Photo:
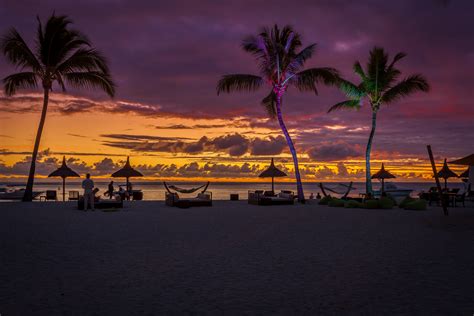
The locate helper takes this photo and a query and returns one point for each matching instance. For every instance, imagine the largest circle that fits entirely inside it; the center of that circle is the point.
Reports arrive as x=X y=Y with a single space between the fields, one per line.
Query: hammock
x=344 y=193
x=183 y=190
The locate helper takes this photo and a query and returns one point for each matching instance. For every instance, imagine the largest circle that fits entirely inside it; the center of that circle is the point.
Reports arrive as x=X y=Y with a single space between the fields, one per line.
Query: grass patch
x=325 y=200
x=336 y=203
x=416 y=205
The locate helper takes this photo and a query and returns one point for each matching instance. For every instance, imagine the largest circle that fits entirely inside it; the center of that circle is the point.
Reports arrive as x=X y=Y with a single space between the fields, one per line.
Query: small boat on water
x=394 y=191
x=12 y=193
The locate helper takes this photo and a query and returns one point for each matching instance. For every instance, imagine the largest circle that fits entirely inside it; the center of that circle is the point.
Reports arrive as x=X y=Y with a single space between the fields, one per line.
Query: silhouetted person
x=110 y=191
x=88 y=186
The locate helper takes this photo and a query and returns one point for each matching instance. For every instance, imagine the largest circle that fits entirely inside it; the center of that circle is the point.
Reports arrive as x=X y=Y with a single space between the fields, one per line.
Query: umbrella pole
x=64 y=189
x=446 y=184
x=273 y=185
x=383 y=188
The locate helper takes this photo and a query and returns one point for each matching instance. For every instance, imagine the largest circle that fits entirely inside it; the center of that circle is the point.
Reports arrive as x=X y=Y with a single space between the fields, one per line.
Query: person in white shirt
x=88 y=186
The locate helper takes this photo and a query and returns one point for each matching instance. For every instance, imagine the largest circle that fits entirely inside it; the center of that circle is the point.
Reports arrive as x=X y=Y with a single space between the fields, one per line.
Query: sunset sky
x=167 y=56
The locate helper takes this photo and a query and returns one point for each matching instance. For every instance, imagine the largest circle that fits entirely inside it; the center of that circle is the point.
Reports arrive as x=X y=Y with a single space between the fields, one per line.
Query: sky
x=167 y=56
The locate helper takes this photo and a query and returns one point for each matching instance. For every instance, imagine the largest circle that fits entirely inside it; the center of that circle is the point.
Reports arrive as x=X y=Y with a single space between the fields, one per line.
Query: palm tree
x=61 y=55
x=379 y=86
x=280 y=65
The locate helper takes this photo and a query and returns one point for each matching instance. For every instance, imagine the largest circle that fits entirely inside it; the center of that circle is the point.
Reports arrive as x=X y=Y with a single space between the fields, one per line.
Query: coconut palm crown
x=280 y=64
x=61 y=55
x=380 y=85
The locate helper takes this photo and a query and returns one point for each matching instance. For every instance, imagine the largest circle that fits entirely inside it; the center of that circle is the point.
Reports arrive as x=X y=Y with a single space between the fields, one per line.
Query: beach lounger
x=270 y=198
x=202 y=199
x=73 y=195
x=101 y=204
x=51 y=195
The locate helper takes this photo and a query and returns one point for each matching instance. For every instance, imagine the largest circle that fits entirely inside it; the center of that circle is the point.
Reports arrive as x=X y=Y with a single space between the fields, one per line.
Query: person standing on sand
x=110 y=191
x=88 y=186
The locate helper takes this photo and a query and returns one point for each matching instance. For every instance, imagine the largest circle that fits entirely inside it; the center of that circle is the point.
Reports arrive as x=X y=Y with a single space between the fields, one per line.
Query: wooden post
x=438 y=185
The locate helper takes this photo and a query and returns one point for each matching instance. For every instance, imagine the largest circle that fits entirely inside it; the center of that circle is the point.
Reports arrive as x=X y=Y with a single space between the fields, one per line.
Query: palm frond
x=19 y=81
x=84 y=59
x=91 y=79
x=269 y=104
x=353 y=104
x=239 y=82
x=411 y=84
x=298 y=61
x=351 y=90
x=397 y=58
x=17 y=51
x=306 y=80
x=359 y=70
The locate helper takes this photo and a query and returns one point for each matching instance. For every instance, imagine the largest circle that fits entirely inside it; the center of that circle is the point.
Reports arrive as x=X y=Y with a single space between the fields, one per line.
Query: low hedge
x=325 y=200
x=386 y=203
x=371 y=204
x=406 y=201
x=353 y=204
x=416 y=205
x=336 y=203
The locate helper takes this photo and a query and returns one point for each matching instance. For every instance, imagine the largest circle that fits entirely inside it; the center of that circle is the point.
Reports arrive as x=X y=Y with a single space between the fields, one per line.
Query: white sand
x=234 y=258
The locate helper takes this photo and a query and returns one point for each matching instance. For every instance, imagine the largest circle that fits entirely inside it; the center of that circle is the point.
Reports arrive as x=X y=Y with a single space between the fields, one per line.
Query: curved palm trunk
x=299 y=185
x=28 y=196
x=368 y=180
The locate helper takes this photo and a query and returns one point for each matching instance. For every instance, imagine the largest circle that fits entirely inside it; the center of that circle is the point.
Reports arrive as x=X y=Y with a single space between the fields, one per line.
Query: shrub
x=371 y=204
x=405 y=201
x=386 y=203
x=416 y=205
x=336 y=203
x=325 y=200
x=353 y=204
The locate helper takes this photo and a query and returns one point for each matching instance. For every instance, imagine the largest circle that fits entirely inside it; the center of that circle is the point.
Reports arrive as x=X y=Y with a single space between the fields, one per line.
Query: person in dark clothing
x=110 y=191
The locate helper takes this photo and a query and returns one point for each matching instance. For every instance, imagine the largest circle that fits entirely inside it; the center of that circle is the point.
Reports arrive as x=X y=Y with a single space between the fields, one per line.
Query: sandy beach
x=234 y=258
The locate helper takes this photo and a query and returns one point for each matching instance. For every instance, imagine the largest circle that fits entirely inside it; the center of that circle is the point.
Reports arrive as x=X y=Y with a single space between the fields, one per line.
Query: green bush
x=406 y=201
x=386 y=203
x=416 y=205
x=325 y=200
x=371 y=204
x=336 y=203
x=353 y=204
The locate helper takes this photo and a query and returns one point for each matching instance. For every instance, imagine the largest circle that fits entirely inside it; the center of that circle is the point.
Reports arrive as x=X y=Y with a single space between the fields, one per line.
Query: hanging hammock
x=343 y=193
x=183 y=190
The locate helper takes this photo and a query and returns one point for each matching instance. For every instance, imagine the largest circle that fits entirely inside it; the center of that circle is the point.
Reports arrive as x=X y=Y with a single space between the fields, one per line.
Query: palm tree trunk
x=28 y=196
x=299 y=185
x=368 y=180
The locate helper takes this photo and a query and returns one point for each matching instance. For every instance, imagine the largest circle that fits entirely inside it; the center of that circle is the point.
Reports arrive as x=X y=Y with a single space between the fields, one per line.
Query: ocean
x=222 y=190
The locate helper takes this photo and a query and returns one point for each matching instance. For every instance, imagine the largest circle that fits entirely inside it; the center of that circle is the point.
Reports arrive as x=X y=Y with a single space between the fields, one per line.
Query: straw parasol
x=446 y=173
x=127 y=172
x=272 y=172
x=466 y=161
x=465 y=174
x=64 y=171
x=382 y=174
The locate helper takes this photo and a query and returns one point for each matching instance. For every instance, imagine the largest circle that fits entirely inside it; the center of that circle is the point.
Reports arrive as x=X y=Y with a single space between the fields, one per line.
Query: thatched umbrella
x=383 y=174
x=127 y=172
x=64 y=172
x=446 y=173
x=272 y=172
x=465 y=174
x=466 y=161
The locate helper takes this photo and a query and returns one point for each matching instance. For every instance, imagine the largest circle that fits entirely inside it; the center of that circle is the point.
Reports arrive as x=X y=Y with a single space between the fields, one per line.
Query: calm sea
x=222 y=190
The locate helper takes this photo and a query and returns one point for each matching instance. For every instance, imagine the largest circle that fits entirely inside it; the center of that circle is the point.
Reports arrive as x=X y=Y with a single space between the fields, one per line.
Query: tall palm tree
x=280 y=65
x=61 y=55
x=379 y=86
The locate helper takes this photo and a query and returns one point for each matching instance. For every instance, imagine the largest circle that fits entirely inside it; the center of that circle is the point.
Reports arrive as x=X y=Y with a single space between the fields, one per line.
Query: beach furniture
x=101 y=203
x=73 y=195
x=127 y=172
x=64 y=172
x=51 y=195
x=343 y=189
x=260 y=197
x=204 y=198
